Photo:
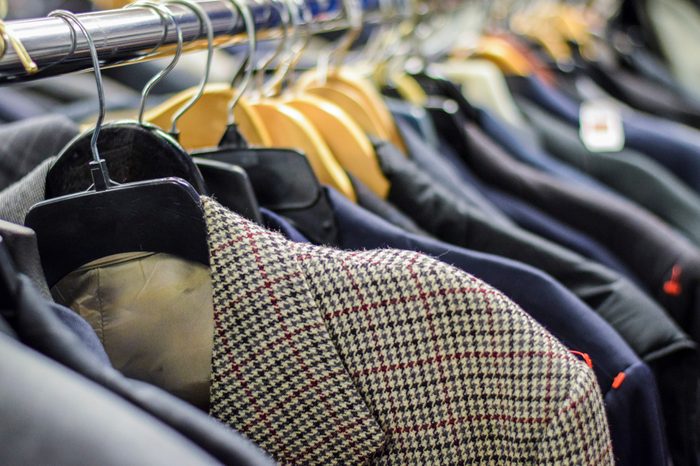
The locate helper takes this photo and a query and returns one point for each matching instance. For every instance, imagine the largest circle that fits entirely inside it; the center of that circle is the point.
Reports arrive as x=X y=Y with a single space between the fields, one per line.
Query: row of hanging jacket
x=402 y=232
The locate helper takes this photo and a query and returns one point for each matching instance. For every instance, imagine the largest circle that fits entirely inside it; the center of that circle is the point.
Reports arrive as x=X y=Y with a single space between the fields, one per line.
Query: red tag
x=673 y=285
x=617 y=381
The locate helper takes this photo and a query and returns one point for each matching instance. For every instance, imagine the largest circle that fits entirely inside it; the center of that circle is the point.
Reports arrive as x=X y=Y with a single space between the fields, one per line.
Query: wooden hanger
x=540 y=23
x=211 y=111
x=373 y=63
x=352 y=104
x=348 y=143
x=288 y=127
x=340 y=85
x=499 y=51
x=207 y=113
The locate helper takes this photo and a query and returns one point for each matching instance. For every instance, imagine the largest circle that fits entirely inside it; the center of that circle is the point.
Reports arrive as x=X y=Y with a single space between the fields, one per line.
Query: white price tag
x=601 y=127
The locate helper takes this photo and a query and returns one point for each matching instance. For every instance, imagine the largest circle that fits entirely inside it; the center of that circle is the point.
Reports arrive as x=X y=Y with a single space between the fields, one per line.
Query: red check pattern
x=387 y=357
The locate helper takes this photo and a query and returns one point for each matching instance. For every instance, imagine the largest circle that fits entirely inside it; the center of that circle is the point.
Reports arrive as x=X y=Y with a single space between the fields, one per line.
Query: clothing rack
x=137 y=34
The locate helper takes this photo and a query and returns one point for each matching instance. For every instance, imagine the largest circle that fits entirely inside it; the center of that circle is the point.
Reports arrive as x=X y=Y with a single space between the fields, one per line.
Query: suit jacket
x=51 y=415
x=446 y=168
x=323 y=356
x=644 y=94
x=574 y=324
x=637 y=435
x=37 y=327
x=672 y=145
x=632 y=174
x=658 y=255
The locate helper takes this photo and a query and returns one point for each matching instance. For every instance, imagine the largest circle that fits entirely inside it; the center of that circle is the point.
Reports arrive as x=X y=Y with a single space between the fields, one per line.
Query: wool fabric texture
x=386 y=357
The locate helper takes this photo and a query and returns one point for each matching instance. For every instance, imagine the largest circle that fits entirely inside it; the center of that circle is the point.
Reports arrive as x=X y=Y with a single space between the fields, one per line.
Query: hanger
x=390 y=68
x=136 y=151
x=490 y=45
x=539 y=21
x=207 y=122
x=231 y=186
x=481 y=80
x=288 y=127
x=502 y=53
x=282 y=179
x=285 y=183
x=351 y=91
x=164 y=215
x=349 y=144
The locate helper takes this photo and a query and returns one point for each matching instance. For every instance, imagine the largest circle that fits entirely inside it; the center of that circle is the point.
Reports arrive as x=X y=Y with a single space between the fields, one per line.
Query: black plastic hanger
x=282 y=179
x=448 y=109
x=231 y=187
x=163 y=215
x=438 y=86
x=135 y=151
x=284 y=182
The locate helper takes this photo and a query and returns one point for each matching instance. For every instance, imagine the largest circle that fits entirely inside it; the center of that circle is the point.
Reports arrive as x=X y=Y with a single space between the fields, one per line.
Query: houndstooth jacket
x=386 y=357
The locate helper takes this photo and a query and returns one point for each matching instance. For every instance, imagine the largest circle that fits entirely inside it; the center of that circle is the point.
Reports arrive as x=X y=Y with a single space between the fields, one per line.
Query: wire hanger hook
x=244 y=12
x=98 y=165
x=205 y=22
x=153 y=82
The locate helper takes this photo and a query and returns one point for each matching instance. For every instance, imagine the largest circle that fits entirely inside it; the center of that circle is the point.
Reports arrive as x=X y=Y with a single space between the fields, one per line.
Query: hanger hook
x=284 y=12
x=97 y=166
x=244 y=11
x=373 y=42
x=206 y=22
x=291 y=49
x=335 y=54
x=307 y=18
x=353 y=11
x=163 y=12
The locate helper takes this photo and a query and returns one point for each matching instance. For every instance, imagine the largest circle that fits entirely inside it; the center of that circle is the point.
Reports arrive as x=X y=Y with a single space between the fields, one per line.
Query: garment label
x=601 y=127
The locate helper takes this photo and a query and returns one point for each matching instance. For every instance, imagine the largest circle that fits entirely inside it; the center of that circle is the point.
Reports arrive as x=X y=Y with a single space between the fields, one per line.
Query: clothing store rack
x=137 y=34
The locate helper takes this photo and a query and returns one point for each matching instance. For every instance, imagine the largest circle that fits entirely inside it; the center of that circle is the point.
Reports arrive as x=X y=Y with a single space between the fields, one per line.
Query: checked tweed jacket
x=386 y=357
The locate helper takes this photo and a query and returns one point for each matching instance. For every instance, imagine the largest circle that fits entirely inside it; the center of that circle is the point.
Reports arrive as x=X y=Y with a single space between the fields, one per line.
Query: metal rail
x=135 y=34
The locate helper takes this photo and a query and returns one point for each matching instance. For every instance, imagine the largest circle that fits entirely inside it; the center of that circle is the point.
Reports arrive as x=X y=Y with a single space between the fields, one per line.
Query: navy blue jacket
x=526 y=153
x=672 y=145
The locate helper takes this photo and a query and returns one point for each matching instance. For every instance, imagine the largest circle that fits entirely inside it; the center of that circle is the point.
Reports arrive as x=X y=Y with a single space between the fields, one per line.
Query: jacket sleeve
x=578 y=432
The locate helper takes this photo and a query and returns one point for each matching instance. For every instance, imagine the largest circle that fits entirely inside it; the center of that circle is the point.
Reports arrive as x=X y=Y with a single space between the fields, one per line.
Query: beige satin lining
x=154 y=315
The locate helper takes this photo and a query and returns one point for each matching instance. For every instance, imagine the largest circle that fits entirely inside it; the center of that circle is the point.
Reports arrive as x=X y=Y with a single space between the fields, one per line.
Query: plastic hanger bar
x=135 y=34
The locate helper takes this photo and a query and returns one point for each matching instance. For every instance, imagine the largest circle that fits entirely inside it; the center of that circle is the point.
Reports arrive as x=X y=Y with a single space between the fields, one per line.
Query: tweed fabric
x=276 y=376
x=316 y=348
